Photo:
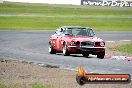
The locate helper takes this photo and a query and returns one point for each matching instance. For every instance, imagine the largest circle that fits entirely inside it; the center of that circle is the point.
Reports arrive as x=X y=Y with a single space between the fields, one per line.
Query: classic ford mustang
x=76 y=40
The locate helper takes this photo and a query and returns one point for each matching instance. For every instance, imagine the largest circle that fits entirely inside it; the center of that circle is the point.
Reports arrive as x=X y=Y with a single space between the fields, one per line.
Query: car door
x=59 y=39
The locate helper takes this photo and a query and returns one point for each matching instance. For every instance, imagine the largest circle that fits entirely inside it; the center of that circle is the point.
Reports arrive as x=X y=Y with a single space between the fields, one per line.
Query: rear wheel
x=51 y=50
x=101 y=56
x=65 y=50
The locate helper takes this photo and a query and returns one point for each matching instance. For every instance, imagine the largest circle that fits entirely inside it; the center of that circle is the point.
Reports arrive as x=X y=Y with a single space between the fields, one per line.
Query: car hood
x=84 y=38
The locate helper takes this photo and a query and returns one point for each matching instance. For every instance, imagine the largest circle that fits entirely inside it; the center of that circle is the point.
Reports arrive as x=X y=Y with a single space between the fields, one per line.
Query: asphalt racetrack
x=32 y=46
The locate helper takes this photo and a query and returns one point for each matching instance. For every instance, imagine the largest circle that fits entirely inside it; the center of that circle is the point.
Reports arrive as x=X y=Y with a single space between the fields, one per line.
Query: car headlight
x=72 y=43
x=102 y=44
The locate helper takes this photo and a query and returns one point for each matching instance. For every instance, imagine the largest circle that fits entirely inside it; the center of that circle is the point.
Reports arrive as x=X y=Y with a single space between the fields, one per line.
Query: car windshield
x=79 y=32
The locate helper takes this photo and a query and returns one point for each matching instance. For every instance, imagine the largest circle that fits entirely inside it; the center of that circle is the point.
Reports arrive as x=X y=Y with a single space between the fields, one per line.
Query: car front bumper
x=90 y=50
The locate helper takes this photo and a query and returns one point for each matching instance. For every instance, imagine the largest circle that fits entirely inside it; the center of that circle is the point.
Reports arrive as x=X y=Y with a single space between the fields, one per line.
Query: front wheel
x=65 y=51
x=85 y=54
x=101 y=56
x=51 y=50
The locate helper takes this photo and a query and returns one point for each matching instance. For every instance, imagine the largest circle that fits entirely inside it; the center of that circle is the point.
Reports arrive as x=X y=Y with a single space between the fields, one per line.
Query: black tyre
x=85 y=54
x=51 y=50
x=80 y=80
x=101 y=56
x=65 y=50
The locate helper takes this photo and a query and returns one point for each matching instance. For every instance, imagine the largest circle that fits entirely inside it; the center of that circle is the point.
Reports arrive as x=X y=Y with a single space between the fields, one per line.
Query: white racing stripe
x=109 y=41
x=116 y=69
x=111 y=56
x=71 y=69
x=126 y=40
x=119 y=40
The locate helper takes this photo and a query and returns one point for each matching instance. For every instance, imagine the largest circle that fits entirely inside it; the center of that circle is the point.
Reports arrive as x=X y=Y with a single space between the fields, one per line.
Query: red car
x=76 y=40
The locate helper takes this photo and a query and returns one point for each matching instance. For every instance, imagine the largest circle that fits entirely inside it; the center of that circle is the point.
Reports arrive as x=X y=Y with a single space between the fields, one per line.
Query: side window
x=67 y=32
x=90 y=32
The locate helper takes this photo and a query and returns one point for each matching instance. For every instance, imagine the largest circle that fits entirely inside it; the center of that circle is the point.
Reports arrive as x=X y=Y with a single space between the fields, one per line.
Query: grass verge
x=126 y=48
x=38 y=85
x=23 y=16
x=3 y=86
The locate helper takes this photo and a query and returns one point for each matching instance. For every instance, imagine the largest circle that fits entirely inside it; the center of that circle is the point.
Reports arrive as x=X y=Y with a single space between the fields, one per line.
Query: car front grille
x=87 y=43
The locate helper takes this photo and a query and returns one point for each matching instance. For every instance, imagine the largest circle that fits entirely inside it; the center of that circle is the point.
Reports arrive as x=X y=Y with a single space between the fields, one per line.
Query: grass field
x=23 y=16
x=35 y=85
x=127 y=48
